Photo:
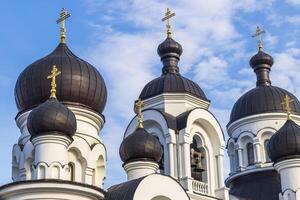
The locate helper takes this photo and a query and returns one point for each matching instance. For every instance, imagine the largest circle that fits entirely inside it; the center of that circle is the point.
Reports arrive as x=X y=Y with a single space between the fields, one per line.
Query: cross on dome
x=286 y=103
x=63 y=16
x=168 y=16
x=52 y=76
x=139 y=106
x=258 y=34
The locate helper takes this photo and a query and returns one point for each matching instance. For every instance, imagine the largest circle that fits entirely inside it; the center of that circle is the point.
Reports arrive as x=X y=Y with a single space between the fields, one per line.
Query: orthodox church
x=173 y=149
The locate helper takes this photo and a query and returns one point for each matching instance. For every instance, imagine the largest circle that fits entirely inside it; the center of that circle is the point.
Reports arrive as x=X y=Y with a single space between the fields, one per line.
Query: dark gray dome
x=171 y=81
x=262 y=99
x=79 y=84
x=140 y=145
x=49 y=117
x=285 y=143
x=265 y=98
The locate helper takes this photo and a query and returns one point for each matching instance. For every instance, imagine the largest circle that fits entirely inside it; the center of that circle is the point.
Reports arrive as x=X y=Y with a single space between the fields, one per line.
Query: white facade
x=199 y=123
x=289 y=171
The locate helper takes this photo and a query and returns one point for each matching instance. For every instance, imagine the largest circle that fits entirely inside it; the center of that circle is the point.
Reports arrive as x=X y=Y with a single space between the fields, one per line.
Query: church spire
x=52 y=76
x=261 y=62
x=63 y=16
x=286 y=103
x=168 y=16
x=258 y=34
x=139 y=106
x=169 y=50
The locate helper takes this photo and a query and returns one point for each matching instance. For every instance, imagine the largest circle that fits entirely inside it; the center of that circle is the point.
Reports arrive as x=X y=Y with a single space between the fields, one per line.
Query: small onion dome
x=140 y=145
x=171 y=81
x=270 y=100
x=51 y=116
x=80 y=84
x=285 y=143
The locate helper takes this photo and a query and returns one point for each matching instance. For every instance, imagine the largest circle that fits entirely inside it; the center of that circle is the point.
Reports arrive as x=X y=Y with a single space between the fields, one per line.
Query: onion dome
x=171 y=81
x=51 y=117
x=285 y=143
x=80 y=84
x=269 y=97
x=140 y=145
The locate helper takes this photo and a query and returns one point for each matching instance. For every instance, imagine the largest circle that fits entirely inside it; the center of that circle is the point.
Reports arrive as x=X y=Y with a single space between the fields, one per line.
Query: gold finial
x=139 y=106
x=52 y=76
x=63 y=16
x=168 y=16
x=258 y=34
x=286 y=102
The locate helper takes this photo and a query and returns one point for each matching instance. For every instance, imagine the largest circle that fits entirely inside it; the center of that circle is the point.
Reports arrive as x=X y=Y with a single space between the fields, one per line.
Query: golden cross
x=258 y=34
x=139 y=106
x=63 y=16
x=168 y=16
x=52 y=76
x=286 y=102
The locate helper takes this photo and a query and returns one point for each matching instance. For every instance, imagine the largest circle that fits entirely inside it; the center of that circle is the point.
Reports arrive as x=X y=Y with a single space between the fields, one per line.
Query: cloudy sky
x=120 y=38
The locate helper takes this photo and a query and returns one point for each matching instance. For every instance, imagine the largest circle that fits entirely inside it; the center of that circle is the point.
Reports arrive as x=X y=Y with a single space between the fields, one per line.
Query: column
x=186 y=159
x=220 y=167
x=257 y=150
x=171 y=159
x=240 y=156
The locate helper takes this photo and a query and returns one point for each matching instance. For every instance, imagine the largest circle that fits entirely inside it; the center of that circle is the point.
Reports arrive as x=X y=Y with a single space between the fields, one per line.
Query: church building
x=174 y=147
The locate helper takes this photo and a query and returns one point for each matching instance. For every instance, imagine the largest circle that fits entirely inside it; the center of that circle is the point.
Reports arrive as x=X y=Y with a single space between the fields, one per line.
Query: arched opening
x=41 y=172
x=198 y=160
x=250 y=154
x=72 y=171
x=99 y=172
x=267 y=158
x=79 y=164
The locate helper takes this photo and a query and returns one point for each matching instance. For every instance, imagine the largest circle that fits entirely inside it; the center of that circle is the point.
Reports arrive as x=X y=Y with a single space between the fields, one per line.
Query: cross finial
x=139 y=106
x=52 y=76
x=63 y=16
x=258 y=34
x=168 y=16
x=286 y=102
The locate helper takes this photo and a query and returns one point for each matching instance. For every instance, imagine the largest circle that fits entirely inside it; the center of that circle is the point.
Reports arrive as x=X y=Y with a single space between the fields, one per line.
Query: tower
x=254 y=118
x=176 y=112
x=59 y=152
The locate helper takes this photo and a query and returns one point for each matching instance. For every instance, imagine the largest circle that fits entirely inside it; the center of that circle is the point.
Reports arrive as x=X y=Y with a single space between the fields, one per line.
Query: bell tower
x=176 y=112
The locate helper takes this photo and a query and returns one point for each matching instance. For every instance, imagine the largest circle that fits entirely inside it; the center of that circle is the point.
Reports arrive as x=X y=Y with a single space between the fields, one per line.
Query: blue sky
x=120 y=38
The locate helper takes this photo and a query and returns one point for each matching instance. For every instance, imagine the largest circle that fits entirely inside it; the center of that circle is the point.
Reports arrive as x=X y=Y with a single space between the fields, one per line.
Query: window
x=198 y=160
x=72 y=171
x=250 y=154
x=266 y=150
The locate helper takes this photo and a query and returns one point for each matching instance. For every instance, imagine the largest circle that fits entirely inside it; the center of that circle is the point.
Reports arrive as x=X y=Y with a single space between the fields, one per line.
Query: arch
x=264 y=137
x=71 y=171
x=80 y=164
x=99 y=172
x=154 y=116
x=199 y=155
x=41 y=171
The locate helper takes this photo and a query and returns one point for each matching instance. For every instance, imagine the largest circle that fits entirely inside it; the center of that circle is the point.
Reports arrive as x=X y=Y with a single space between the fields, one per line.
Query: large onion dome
x=51 y=117
x=285 y=143
x=80 y=83
x=265 y=98
x=140 y=145
x=171 y=81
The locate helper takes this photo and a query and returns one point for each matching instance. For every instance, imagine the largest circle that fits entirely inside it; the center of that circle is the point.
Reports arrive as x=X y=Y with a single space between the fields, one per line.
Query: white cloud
x=293 y=2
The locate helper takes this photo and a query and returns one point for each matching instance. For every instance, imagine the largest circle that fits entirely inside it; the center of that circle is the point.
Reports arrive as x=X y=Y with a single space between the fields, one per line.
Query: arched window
x=198 y=160
x=266 y=150
x=250 y=153
x=72 y=171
